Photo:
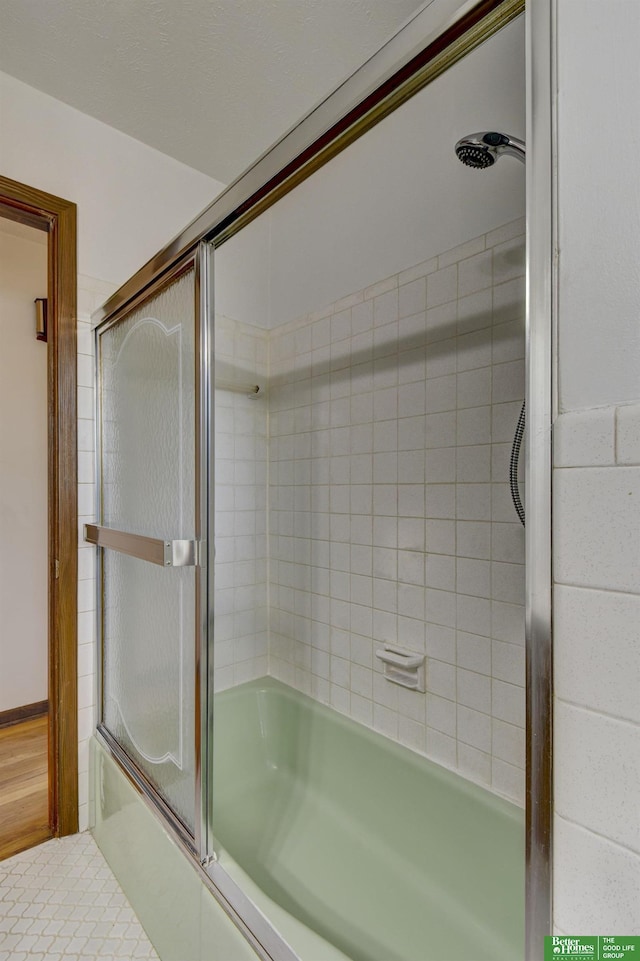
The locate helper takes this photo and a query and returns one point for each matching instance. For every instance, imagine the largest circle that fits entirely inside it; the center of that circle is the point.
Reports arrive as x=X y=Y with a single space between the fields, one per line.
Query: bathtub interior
x=378 y=851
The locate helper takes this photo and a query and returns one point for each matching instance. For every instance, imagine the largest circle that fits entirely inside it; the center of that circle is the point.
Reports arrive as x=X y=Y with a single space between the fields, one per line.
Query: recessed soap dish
x=406 y=668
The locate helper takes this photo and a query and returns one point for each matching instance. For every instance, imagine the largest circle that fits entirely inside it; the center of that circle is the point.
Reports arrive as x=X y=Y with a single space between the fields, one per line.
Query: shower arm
x=515 y=148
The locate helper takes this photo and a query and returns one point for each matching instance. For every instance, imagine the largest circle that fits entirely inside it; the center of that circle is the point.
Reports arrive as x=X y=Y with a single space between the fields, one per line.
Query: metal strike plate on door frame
x=180 y=553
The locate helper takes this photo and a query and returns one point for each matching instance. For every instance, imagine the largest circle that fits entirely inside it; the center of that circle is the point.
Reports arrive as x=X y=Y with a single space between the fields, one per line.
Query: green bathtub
x=356 y=847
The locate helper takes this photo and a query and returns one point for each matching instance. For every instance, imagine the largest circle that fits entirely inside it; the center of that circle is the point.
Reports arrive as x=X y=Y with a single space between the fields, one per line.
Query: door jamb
x=57 y=217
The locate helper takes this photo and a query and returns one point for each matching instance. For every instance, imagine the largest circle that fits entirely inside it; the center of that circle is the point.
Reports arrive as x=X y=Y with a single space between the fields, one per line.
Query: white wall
x=23 y=470
x=596 y=525
x=131 y=198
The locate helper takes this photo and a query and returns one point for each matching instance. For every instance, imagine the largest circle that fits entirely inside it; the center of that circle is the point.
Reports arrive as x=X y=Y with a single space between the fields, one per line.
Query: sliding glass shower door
x=149 y=529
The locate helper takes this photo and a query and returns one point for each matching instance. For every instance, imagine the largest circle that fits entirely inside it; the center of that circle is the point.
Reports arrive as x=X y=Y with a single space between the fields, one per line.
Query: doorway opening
x=42 y=731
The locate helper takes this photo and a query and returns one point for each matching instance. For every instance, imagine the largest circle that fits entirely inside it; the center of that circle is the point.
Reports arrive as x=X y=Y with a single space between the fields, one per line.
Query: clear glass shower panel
x=147 y=371
x=371 y=473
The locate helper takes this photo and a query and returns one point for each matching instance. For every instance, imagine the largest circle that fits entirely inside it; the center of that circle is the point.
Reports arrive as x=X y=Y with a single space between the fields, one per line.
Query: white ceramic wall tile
x=85 y=403
x=375 y=290
x=419 y=271
x=85 y=370
x=507 y=341
x=441 y=748
x=474 y=273
x=474 y=764
x=597 y=527
x=474 y=350
x=507 y=622
x=508 y=662
x=628 y=434
x=412 y=297
x=500 y=235
x=474 y=652
x=592 y=750
x=596 y=653
x=508 y=300
x=596 y=669
x=584 y=438
x=475 y=312
x=441 y=715
x=473 y=537
x=474 y=388
x=473 y=502
x=86 y=436
x=241 y=627
x=509 y=259
x=507 y=382
x=468 y=249
x=473 y=614
x=474 y=728
x=507 y=742
x=442 y=286
x=595 y=882
x=473 y=426
x=91 y=293
x=86 y=627
x=508 y=779
x=507 y=702
x=507 y=543
x=474 y=691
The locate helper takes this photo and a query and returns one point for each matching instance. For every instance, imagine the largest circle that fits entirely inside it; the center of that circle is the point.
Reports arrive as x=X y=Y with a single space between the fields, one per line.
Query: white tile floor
x=60 y=902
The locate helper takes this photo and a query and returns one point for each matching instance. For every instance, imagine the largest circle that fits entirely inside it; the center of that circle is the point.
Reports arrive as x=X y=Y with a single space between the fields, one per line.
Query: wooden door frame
x=57 y=217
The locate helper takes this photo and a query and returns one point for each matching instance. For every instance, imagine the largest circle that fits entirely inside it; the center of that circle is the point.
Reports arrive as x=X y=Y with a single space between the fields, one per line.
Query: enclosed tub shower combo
x=311 y=579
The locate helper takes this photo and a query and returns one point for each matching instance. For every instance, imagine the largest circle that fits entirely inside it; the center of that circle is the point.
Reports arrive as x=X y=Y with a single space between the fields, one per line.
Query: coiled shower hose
x=513 y=465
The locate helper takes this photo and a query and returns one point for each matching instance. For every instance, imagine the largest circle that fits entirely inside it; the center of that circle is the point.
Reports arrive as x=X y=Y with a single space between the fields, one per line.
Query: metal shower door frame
x=422 y=50
x=540 y=393
x=176 y=553
x=205 y=507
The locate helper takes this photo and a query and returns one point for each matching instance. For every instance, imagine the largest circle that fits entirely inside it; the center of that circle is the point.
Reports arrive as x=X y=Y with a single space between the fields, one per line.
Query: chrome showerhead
x=480 y=150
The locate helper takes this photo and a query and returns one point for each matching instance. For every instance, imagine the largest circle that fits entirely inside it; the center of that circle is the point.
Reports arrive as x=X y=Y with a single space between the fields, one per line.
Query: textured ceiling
x=210 y=82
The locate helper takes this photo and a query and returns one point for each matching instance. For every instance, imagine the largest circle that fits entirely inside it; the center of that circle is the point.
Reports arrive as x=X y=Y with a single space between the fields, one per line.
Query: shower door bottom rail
x=165 y=553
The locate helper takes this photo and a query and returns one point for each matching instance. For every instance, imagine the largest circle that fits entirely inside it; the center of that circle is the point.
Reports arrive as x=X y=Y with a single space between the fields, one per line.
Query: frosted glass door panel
x=148 y=409
x=148 y=487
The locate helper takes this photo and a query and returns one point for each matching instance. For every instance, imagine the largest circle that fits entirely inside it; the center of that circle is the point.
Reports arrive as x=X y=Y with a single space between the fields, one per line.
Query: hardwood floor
x=24 y=801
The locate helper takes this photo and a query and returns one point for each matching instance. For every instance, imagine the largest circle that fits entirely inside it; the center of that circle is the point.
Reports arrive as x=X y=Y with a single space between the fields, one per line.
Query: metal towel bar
x=237 y=388
x=179 y=553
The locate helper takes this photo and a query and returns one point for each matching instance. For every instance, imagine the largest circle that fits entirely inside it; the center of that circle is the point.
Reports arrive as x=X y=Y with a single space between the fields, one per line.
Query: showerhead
x=480 y=150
